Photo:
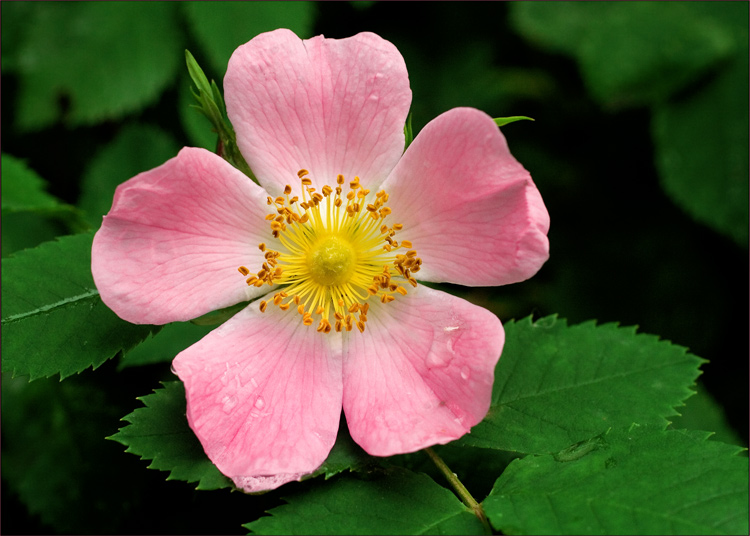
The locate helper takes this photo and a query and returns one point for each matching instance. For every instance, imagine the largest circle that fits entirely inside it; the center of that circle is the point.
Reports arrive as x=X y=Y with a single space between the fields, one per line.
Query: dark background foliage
x=639 y=233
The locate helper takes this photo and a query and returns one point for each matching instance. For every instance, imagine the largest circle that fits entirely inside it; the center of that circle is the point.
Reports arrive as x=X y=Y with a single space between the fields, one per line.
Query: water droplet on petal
x=229 y=403
x=260 y=403
x=465 y=373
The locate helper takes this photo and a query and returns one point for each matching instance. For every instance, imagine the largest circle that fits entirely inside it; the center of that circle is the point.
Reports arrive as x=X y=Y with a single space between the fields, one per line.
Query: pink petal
x=264 y=396
x=326 y=105
x=469 y=208
x=421 y=373
x=170 y=247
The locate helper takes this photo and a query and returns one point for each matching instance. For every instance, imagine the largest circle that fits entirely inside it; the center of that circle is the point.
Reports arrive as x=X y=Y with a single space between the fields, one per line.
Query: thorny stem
x=460 y=489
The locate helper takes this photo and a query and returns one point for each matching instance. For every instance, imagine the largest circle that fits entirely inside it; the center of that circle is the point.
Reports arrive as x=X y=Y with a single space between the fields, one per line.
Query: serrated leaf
x=639 y=480
x=23 y=189
x=216 y=29
x=164 y=345
x=707 y=174
x=135 y=149
x=53 y=321
x=394 y=501
x=104 y=59
x=557 y=384
x=160 y=433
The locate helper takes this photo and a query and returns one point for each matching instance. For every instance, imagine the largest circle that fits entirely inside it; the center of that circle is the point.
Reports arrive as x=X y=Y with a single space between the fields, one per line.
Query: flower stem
x=460 y=489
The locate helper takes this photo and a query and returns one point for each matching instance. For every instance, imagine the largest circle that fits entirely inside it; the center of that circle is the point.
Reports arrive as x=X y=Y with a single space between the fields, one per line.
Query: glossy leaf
x=53 y=321
x=394 y=501
x=160 y=433
x=557 y=384
x=633 y=480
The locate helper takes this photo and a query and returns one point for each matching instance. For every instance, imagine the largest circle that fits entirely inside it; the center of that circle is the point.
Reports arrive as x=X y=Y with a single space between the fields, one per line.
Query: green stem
x=460 y=489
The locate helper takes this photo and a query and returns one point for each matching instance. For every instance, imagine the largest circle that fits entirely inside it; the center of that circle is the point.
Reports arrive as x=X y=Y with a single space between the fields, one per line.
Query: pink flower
x=340 y=230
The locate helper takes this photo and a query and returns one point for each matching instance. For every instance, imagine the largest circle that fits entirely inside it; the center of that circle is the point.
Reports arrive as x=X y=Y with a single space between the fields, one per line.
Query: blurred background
x=639 y=148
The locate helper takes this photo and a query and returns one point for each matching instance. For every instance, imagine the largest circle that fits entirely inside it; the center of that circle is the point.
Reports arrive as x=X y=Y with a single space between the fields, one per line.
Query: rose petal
x=469 y=208
x=326 y=105
x=264 y=396
x=170 y=246
x=421 y=373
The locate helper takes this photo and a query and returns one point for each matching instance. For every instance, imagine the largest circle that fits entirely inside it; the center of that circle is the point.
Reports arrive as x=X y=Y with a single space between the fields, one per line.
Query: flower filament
x=337 y=252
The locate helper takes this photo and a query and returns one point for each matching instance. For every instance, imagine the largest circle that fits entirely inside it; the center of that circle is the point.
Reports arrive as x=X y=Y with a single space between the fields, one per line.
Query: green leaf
x=345 y=455
x=630 y=53
x=23 y=189
x=160 y=433
x=215 y=24
x=85 y=62
x=502 y=121
x=701 y=145
x=556 y=385
x=638 y=480
x=165 y=344
x=135 y=149
x=702 y=412
x=394 y=501
x=55 y=458
x=53 y=321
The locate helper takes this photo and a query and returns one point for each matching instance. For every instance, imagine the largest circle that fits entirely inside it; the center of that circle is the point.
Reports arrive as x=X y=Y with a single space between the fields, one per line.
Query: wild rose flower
x=332 y=246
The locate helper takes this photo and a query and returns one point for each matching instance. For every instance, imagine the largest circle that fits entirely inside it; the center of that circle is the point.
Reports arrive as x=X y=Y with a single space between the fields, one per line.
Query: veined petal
x=170 y=247
x=326 y=105
x=470 y=209
x=421 y=373
x=263 y=396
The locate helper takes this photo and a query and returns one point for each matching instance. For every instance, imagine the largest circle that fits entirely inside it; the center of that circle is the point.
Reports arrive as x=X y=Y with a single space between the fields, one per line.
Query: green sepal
x=211 y=104
x=502 y=121
x=408 y=132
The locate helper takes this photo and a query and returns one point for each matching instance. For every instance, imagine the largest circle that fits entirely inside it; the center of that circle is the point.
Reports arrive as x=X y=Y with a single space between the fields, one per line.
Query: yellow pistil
x=337 y=252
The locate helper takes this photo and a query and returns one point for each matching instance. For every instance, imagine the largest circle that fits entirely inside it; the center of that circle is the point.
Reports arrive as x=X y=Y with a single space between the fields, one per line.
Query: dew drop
x=229 y=403
x=465 y=373
x=260 y=403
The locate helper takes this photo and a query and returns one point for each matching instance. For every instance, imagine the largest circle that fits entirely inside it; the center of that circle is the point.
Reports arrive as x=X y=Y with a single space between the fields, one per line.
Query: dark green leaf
x=641 y=480
x=394 y=501
x=160 y=433
x=629 y=53
x=24 y=190
x=702 y=412
x=84 y=62
x=221 y=27
x=165 y=345
x=53 y=319
x=56 y=460
x=136 y=148
x=701 y=142
x=556 y=385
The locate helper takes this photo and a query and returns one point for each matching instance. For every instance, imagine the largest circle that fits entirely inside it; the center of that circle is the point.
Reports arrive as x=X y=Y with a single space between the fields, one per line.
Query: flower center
x=337 y=252
x=331 y=261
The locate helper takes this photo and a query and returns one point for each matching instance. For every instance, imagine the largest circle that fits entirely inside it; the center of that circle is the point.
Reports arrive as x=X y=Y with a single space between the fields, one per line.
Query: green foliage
x=629 y=53
x=702 y=141
x=636 y=480
x=160 y=432
x=556 y=385
x=502 y=121
x=169 y=341
x=220 y=27
x=54 y=449
x=392 y=501
x=53 y=319
x=104 y=66
x=30 y=215
x=136 y=148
